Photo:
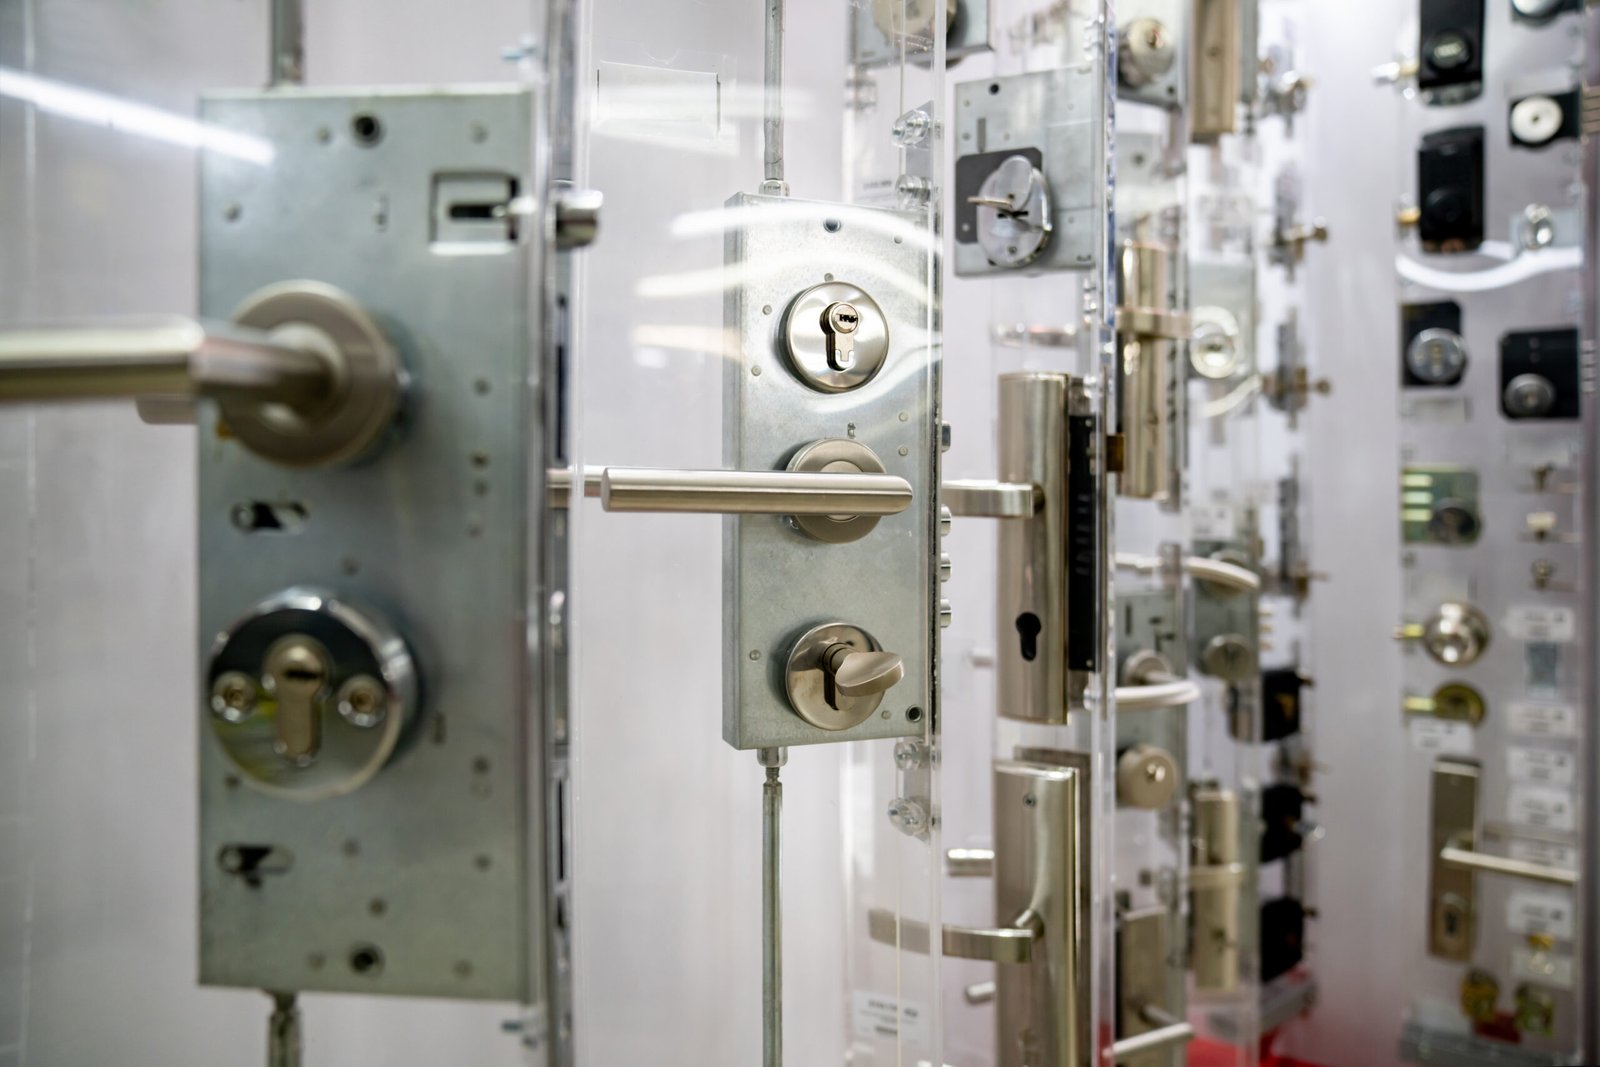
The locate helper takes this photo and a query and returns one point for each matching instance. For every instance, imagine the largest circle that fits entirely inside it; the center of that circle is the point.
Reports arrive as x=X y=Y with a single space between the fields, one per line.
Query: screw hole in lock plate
x=366 y=960
x=367 y=129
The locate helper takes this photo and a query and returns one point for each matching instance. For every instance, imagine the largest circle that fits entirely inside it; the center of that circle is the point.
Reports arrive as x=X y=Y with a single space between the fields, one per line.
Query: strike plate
x=781 y=582
x=418 y=882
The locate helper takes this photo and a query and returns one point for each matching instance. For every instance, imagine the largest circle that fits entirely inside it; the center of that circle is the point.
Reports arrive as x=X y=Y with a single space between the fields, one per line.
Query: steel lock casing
x=782 y=581
x=373 y=192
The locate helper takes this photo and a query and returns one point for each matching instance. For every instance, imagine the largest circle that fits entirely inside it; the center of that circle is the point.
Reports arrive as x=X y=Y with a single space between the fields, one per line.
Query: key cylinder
x=310 y=695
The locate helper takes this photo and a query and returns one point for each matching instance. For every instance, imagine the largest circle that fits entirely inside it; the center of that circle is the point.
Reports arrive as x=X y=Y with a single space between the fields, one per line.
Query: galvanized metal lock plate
x=788 y=261
x=1052 y=121
x=403 y=201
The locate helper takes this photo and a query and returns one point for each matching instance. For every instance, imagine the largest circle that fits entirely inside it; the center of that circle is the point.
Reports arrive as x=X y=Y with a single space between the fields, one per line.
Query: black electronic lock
x=1450 y=50
x=1450 y=190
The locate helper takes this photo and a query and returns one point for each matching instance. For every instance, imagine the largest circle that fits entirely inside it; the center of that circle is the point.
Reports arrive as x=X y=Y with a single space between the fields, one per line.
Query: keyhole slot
x=1028 y=629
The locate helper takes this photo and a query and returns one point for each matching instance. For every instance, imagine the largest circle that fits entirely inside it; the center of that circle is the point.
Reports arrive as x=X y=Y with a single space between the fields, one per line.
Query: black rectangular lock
x=1283 y=934
x=1432 y=351
x=1450 y=190
x=1539 y=374
x=1280 y=702
x=1282 y=815
x=1450 y=48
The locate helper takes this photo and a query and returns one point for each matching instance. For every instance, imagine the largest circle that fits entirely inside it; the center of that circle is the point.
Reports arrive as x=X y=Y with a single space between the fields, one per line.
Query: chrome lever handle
x=304 y=376
x=1006 y=944
x=1472 y=860
x=165 y=357
x=752 y=492
x=638 y=489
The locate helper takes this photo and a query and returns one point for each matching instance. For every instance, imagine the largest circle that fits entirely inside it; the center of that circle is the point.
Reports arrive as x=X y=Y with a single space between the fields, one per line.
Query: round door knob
x=1147 y=777
x=1146 y=52
x=1437 y=357
x=1537 y=9
x=1455 y=636
x=1529 y=396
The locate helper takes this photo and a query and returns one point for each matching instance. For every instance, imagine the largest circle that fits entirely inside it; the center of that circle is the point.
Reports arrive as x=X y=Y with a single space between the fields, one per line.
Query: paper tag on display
x=1537 y=622
x=882 y=1016
x=1443 y=736
x=1541 y=765
x=1543 y=720
x=1542 y=806
x=1538 y=911
x=1544 y=853
x=1545 y=968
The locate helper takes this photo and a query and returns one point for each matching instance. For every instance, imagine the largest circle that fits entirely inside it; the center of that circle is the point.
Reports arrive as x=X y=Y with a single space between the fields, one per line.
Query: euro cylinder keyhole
x=1028 y=629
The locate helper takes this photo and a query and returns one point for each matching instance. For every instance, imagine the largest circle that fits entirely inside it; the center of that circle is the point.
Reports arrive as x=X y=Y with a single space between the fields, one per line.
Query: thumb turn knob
x=837 y=675
x=855 y=674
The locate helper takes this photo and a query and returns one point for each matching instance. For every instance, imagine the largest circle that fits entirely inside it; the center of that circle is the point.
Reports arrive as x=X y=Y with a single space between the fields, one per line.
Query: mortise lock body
x=830 y=616
x=367 y=667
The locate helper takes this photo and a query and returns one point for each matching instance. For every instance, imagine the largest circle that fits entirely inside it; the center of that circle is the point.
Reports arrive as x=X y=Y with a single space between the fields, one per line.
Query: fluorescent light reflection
x=114 y=113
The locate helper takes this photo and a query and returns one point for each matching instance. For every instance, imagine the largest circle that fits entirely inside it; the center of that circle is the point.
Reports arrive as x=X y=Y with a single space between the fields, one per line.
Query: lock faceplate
x=435 y=530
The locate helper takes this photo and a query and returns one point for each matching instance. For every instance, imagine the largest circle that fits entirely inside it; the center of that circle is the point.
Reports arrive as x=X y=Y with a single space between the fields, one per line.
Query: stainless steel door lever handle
x=753 y=492
x=1006 y=944
x=169 y=356
x=1471 y=860
x=303 y=374
x=642 y=489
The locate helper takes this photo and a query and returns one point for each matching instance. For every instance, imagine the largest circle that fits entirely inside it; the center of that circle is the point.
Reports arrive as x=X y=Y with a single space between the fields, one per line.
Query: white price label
x=1543 y=720
x=1539 y=911
x=1541 y=765
x=1546 y=968
x=1542 y=806
x=1444 y=736
x=1538 y=622
x=1546 y=853
x=886 y=1018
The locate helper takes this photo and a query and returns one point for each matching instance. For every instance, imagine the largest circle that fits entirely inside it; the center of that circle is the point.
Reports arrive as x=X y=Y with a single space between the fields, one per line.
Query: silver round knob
x=1529 y=396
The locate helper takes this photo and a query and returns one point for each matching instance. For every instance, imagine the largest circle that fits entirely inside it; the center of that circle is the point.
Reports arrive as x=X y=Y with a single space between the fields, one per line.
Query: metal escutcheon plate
x=353 y=748
x=806 y=343
x=837 y=455
x=367 y=386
